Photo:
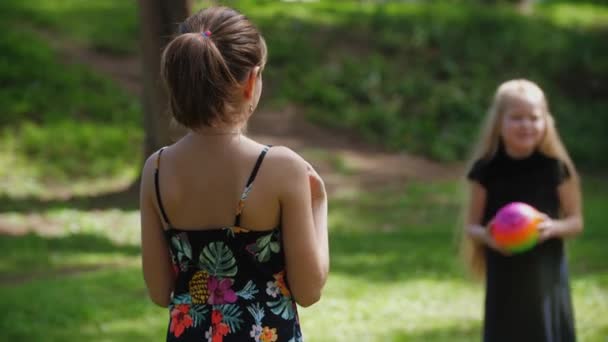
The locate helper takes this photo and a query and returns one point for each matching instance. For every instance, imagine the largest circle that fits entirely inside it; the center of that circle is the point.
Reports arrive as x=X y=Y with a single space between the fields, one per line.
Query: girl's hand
x=482 y=235
x=546 y=228
x=317 y=186
x=490 y=242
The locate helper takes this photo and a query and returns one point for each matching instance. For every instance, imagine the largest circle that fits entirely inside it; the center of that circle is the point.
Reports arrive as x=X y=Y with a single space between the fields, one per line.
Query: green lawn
x=394 y=273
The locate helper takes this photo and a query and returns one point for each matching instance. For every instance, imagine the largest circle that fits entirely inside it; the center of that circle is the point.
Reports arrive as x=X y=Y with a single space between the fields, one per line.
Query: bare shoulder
x=284 y=158
x=286 y=168
x=150 y=165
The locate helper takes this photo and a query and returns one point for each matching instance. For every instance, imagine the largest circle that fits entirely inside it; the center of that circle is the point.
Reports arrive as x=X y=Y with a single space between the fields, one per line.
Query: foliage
x=421 y=76
x=61 y=123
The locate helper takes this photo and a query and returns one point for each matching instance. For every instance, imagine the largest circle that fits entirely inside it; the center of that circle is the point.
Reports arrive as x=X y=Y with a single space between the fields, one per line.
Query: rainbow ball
x=515 y=227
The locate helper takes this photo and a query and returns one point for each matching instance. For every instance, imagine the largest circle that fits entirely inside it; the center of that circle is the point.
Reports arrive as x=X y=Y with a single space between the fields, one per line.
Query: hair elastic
x=206 y=34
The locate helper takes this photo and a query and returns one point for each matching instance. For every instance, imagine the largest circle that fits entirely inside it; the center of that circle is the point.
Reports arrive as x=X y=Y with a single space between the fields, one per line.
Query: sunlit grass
x=581 y=15
x=355 y=308
x=71 y=240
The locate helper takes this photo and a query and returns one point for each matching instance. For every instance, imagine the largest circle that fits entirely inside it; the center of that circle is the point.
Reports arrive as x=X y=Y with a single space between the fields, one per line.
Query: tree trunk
x=525 y=6
x=158 y=23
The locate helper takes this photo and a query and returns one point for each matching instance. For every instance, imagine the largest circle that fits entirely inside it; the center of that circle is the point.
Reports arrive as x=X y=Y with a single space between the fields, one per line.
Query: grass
x=394 y=274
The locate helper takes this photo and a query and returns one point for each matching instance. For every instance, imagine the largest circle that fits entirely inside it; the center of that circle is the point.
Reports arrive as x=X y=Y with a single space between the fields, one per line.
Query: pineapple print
x=198 y=287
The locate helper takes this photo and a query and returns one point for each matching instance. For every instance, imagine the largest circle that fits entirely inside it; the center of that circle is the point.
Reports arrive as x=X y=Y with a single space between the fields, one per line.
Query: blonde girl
x=520 y=158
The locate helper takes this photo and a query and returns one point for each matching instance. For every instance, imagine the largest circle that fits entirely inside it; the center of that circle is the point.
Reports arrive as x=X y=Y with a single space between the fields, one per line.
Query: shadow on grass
x=127 y=199
x=105 y=305
x=398 y=236
x=31 y=257
x=468 y=332
x=81 y=242
x=395 y=256
x=406 y=255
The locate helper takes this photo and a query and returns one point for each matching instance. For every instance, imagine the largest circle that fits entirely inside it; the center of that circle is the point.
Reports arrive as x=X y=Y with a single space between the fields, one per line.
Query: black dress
x=527 y=294
x=231 y=283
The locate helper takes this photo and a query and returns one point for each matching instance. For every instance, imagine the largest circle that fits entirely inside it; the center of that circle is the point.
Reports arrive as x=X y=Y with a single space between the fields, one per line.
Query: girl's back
x=203 y=178
x=225 y=245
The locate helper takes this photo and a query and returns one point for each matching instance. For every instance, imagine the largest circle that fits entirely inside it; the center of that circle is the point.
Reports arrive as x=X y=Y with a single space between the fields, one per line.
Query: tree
x=158 y=23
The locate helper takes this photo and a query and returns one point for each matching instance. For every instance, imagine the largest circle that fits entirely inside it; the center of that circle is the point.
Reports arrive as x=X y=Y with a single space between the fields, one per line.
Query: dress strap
x=249 y=186
x=157 y=188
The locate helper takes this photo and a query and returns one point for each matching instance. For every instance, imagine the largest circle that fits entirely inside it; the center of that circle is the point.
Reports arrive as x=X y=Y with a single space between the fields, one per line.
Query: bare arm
x=304 y=222
x=475 y=230
x=319 y=212
x=156 y=261
x=571 y=205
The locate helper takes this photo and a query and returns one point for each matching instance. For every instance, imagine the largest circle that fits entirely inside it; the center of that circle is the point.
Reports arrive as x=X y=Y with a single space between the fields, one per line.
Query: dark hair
x=204 y=67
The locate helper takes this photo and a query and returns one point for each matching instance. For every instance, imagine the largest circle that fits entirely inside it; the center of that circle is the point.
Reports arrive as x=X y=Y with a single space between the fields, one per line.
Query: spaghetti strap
x=157 y=188
x=249 y=185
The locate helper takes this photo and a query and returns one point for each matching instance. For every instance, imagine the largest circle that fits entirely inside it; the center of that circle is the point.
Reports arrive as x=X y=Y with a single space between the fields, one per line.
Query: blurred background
x=385 y=98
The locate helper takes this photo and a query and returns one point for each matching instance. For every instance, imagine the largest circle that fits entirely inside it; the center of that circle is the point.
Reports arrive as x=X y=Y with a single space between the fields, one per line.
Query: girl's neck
x=518 y=154
x=217 y=131
x=215 y=137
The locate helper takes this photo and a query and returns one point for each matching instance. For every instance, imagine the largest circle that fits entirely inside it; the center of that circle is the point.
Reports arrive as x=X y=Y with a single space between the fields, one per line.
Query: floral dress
x=230 y=282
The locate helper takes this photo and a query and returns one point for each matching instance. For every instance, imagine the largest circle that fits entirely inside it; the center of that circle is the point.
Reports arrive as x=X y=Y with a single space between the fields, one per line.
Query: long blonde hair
x=488 y=144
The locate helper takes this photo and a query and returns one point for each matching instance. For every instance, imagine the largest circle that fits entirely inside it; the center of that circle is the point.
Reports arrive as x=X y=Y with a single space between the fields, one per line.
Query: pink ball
x=515 y=227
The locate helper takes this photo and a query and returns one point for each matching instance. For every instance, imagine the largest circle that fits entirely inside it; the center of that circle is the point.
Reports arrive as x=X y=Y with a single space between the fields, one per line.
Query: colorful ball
x=515 y=227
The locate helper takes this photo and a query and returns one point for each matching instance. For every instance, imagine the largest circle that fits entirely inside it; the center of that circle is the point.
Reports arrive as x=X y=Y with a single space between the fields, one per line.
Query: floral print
x=278 y=287
x=180 y=319
x=257 y=313
x=280 y=281
x=272 y=289
x=220 y=290
x=230 y=282
x=268 y=335
x=181 y=252
x=215 y=301
x=264 y=247
x=284 y=306
x=218 y=328
x=256 y=332
x=209 y=334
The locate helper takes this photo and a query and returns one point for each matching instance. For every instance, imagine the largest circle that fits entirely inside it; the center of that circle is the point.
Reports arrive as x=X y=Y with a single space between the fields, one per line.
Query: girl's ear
x=250 y=83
